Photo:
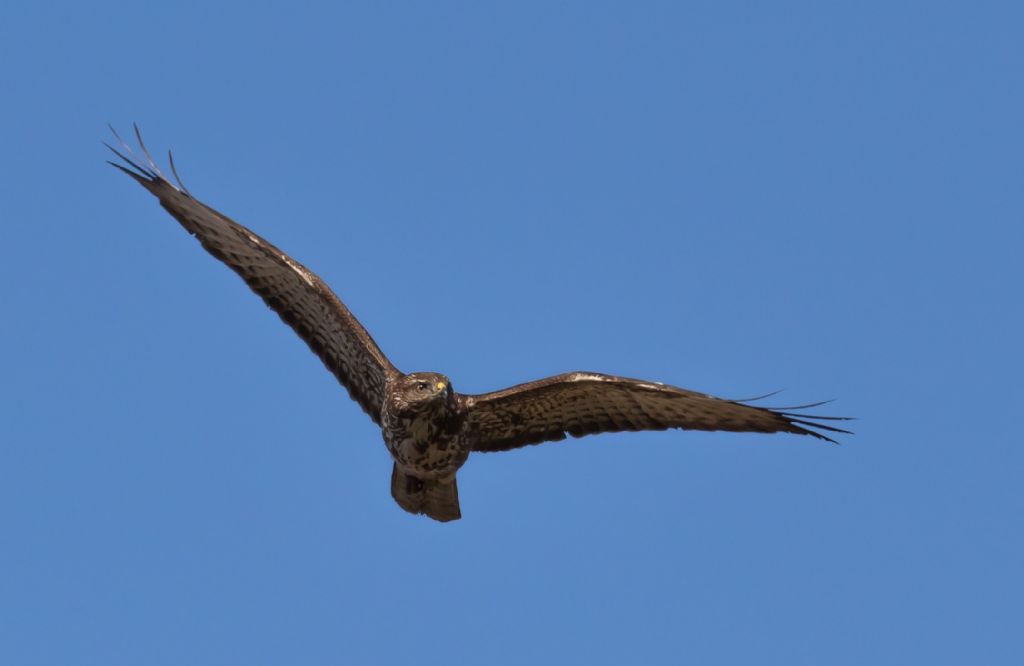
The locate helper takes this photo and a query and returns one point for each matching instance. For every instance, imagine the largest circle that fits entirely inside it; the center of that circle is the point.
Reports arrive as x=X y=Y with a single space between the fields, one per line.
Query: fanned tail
x=438 y=499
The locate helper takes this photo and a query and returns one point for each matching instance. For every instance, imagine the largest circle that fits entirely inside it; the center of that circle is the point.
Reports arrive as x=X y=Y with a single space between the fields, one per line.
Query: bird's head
x=425 y=390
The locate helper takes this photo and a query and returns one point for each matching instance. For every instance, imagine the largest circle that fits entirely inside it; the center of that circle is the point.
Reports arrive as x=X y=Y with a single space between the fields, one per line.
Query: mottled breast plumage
x=422 y=426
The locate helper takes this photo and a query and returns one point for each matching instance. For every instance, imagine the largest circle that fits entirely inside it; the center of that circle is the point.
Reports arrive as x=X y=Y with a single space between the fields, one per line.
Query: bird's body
x=424 y=427
x=429 y=429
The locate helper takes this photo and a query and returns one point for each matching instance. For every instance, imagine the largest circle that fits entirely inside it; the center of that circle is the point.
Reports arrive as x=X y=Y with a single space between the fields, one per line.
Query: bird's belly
x=427 y=461
x=421 y=451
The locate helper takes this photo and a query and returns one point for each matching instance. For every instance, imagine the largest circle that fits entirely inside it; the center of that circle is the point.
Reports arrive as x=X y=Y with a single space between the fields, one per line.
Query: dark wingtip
x=811 y=428
x=148 y=174
x=174 y=170
x=809 y=424
x=128 y=160
x=142 y=179
x=807 y=406
x=824 y=438
x=816 y=416
x=760 y=397
x=145 y=151
x=118 y=137
x=803 y=423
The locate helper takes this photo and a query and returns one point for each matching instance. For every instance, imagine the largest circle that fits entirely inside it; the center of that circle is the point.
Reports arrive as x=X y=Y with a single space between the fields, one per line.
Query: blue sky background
x=734 y=197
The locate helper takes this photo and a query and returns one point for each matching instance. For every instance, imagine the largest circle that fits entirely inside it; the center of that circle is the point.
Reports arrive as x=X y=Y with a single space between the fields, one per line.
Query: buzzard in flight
x=428 y=427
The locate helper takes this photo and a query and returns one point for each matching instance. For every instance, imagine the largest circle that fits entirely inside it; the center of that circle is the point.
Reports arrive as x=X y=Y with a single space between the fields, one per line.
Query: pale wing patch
x=292 y=265
x=587 y=377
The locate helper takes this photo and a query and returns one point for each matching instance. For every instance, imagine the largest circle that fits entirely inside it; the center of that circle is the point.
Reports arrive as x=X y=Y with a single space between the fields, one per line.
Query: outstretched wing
x=585 y=403
x=296 y=294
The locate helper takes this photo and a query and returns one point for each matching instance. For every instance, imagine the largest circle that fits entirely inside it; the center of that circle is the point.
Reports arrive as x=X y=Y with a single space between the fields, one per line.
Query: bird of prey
x=429 y=428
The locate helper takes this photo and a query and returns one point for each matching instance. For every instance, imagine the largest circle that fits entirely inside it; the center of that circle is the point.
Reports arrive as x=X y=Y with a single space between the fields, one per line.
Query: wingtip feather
x=174 y=171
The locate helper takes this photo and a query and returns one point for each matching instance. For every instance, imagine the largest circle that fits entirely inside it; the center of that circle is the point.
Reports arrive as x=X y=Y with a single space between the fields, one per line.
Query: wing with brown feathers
x=296 y=294
x=585 y=403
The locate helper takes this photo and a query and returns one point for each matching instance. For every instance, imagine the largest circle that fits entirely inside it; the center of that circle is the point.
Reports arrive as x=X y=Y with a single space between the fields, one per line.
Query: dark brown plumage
x=585 y=403
x=430 y=429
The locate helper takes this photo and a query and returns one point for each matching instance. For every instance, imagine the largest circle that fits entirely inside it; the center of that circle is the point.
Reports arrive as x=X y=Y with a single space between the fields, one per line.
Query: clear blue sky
x=734 y=197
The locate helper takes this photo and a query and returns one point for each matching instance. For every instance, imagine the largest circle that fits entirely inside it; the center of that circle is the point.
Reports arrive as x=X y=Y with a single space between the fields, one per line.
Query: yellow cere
x=440 y=385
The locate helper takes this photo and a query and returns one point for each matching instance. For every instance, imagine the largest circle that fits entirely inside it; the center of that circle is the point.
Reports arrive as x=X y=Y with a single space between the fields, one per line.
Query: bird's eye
x=422 y=386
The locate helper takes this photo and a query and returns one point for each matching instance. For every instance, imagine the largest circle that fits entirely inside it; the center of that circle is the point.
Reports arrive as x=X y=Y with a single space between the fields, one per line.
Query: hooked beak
x=449 y=395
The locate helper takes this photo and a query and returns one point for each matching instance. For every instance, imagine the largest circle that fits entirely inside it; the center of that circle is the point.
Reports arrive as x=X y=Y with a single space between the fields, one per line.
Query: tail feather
x=438 y=499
